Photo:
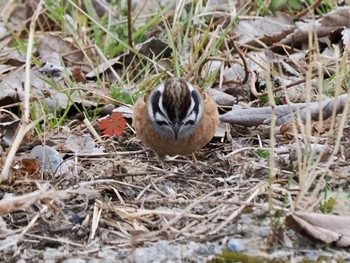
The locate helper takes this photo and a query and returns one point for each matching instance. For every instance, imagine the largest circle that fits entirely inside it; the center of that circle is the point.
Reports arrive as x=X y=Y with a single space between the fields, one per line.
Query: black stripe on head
x=160 y=123
x=155 y=103
x=189 y=122
x=197 y=101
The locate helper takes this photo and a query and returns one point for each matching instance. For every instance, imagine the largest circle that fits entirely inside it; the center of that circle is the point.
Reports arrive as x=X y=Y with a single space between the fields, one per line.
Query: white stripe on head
x=157 y=115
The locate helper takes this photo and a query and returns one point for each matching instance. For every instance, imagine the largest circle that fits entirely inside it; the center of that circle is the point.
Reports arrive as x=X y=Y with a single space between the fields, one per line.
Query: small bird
x=175 y=118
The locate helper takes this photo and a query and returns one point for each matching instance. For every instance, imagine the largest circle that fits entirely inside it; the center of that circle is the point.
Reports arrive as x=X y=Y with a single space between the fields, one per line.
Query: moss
x=228 y=257
x=322 y=259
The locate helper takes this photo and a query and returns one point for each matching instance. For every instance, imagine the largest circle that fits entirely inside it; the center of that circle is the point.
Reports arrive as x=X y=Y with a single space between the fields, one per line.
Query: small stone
x=235 y=245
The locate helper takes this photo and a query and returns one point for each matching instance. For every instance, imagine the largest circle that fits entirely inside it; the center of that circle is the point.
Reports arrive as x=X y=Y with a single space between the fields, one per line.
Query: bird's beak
x=176 y=129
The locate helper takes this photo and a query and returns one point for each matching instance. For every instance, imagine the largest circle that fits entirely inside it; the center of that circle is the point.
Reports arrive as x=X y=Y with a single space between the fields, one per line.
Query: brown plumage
x=176 y=103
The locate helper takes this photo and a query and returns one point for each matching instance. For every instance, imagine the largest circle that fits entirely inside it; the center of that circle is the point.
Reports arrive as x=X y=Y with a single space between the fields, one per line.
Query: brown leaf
x=78 y=75
x=27 y=169
x=330 y=229
x=317 y=128
x=287 y=132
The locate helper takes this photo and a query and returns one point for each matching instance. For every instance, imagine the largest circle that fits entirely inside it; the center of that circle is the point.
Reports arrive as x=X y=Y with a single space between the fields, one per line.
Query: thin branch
x=23 y=128
x=130 y=42
x=308 y=9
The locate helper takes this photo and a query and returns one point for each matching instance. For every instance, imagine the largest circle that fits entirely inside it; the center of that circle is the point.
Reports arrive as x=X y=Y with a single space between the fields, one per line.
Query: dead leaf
x=337 y=17
x=50 y=43
x=269 y=30
x=82 y=144
x=26 y=169
x=330 y=229
x=113 y=125
x=151 y=48
x=78 y=76
x=317 y=128
x=222 y=98
x=286 y=130
x=333 y=20
x=8 y=128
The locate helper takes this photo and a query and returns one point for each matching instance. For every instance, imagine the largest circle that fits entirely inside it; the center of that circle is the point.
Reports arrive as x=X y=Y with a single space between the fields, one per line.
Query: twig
x=108 y=63
x=24 y=231
x=58 y=240
x=24 y=126
x=95 y=220
x=92 y=129
x=308 y=9
x=245 y=66
x=253 y=88
x=261 y=94
x=130 y=42
x=235 y=214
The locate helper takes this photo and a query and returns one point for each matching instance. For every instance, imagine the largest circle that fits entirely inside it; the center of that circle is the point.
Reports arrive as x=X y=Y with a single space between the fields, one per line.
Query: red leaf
x=113 y=125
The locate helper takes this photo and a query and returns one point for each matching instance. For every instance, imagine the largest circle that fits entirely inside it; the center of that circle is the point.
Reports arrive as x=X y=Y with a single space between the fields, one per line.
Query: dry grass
x=242 y=186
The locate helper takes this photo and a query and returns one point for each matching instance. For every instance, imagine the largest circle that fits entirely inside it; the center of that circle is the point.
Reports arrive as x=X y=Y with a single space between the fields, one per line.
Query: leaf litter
x=115 y=202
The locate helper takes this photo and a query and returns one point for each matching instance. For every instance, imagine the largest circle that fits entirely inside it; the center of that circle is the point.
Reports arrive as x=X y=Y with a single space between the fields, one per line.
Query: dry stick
x=261 y=94
x=58 y=240
x=28 y=227
x=132 y=212
x=129 y=24
x=245 y=66
x=199 y=229
x=272 y=165
x=91 y=129
x=14 y=116
x=95 y=221
x=177 y=218
x=147 y=187
x=24 y=126
x=156 y=188
x=186 y=230
x=104 y=181
x=342 y=123
x=233 y=153
x=121 y=200
x=210 y=202
x=253 y=87
x=184 y=212
x=108 y=63
x=292 y=84
x=234 y=215
x=25 y=230
x=308 y=9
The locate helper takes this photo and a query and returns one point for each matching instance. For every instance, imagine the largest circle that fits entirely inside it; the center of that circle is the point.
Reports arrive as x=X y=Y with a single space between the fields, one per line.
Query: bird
x=175 y=118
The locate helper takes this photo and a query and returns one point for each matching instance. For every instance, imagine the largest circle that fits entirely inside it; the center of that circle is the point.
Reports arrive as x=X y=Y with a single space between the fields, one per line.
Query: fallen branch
x=285 y=113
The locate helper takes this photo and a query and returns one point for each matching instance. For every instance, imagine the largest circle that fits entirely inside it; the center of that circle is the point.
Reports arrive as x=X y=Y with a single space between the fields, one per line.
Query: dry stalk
x=230 y=218
x=25 y=126
x=95 y=221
